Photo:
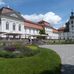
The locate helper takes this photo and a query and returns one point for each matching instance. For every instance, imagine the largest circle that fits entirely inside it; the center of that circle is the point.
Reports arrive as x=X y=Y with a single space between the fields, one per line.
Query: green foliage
x=27 y=50
x=33 y=47
x=42 y=31
x=21 y=51
x=46 y=62
x=6 y=54
x=69 y=41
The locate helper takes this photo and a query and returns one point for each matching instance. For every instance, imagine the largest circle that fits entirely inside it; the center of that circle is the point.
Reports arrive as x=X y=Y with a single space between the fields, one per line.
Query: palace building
x=67 y=32
x=11 y=23
x=14 y=26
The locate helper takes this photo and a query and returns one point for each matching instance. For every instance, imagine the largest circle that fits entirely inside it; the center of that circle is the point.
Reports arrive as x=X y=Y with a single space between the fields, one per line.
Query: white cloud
x=34 y=17
x=2 y=2
x=49 y=17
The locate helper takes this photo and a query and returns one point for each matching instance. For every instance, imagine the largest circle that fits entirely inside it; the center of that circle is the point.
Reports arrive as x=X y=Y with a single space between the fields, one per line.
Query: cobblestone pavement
x=66 y=53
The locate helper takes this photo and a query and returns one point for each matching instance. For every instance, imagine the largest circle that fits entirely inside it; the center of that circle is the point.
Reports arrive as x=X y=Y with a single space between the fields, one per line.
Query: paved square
x=66 y=53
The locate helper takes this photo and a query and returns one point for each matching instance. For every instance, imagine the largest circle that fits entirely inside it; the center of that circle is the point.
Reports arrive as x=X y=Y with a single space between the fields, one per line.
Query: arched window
x=7 y=25
x=13 y=26
x=19 y=27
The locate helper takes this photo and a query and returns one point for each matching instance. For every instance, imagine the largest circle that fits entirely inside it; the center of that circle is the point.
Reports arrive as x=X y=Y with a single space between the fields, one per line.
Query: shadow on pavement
x=67 y=69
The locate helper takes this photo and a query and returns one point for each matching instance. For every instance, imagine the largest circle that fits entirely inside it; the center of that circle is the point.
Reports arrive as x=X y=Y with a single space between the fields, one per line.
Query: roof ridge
x=25 y=20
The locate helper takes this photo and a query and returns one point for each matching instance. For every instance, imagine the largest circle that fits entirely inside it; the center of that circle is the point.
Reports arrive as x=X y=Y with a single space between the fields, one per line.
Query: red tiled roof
x=55 y=30
x=32 y=25
x=45 y=24
x=61 y=29
x=28 y=23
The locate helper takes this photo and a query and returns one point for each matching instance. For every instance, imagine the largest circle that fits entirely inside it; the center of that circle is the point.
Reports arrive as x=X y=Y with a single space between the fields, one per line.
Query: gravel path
x=66 y=53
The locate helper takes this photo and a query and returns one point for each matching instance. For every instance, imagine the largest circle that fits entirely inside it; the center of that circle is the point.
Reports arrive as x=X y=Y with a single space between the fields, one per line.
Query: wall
x=11 y=21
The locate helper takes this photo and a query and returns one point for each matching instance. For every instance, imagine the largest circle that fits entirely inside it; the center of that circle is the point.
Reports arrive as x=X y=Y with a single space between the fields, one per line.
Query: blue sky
x=61 y=8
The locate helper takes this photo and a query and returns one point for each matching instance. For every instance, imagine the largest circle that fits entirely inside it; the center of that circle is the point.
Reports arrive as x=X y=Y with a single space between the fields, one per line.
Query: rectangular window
x=0 y=22
x=13 y=27
x=29 y=30
x=7 y=26
x=25 y=29
x=71 y=22
x=19 y=27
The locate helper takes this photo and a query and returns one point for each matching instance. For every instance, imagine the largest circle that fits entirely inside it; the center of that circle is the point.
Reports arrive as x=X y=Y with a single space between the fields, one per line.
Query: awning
x=39 y=35
x=2 y=32
x=13 y=33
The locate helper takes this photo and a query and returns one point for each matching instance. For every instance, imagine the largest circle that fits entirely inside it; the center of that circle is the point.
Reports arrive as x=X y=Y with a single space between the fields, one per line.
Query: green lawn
x=46 y=62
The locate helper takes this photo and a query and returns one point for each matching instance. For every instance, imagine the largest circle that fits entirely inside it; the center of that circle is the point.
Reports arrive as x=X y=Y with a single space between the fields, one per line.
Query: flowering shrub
x=10 y=48
x=18 y=51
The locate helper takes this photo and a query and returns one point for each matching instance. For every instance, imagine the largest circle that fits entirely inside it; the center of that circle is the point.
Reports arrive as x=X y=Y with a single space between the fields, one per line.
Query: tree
x=42 y=31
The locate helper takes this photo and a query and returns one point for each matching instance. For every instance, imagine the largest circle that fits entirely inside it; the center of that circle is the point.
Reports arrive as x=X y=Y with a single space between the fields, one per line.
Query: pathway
x=66 y=53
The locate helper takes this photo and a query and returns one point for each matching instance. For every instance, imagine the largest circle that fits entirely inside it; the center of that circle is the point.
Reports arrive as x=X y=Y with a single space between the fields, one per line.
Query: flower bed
x=46 y=62
x=17 y=51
